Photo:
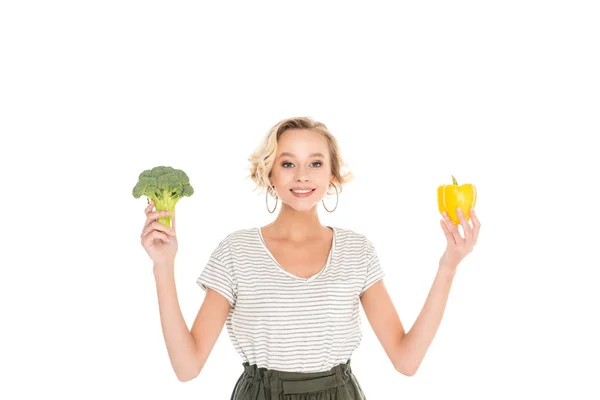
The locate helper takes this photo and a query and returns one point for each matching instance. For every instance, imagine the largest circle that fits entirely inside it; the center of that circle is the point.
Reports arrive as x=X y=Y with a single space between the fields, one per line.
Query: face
x=297 y=165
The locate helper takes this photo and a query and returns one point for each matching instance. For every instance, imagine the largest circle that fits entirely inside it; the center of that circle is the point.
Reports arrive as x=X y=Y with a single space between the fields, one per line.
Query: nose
x=301 y=174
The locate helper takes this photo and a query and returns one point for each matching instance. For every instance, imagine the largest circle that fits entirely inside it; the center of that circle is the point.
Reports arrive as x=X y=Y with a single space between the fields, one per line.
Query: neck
x=297 y=226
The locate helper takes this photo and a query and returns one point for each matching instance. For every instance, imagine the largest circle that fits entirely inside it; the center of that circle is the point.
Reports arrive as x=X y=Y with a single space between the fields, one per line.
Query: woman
x=289 y=292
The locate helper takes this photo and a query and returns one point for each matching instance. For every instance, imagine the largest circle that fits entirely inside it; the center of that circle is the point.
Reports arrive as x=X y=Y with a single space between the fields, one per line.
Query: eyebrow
x=310 y=155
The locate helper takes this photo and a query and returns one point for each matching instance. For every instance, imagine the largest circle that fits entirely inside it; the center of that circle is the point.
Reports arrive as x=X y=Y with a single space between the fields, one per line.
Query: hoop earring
x=337 y=197
x=267 y=202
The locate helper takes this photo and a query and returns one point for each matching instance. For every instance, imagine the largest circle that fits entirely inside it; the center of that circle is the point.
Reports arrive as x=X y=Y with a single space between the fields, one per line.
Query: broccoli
x=165 y=186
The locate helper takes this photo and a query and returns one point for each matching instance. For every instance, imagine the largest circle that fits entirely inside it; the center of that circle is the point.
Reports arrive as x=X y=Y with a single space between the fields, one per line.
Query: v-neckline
x=311 y=278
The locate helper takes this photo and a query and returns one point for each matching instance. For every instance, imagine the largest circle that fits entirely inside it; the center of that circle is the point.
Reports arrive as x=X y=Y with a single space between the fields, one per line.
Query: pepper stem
x=454 y=181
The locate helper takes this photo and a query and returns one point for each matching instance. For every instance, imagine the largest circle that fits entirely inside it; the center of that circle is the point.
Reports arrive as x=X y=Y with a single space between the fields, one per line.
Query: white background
x=503 y=95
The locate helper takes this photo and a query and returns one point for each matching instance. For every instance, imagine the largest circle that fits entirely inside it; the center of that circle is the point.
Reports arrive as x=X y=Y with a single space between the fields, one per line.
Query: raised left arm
x=406 y=351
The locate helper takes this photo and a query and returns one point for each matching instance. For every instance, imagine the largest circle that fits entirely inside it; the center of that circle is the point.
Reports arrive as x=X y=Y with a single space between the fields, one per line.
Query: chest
x=303 y=260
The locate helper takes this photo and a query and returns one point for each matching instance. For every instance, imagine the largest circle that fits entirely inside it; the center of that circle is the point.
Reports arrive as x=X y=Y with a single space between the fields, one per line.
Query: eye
x=316 y=162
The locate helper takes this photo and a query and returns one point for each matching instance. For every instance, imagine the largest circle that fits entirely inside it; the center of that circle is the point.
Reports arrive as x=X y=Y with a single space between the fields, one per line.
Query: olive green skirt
x=338 y=383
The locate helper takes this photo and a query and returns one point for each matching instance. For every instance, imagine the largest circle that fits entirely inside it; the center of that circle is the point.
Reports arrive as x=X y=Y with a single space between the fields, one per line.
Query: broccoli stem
x=165 y=221
x=165 y=202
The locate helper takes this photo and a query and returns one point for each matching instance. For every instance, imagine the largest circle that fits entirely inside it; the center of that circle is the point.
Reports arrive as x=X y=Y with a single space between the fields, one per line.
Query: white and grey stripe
x=281 y=321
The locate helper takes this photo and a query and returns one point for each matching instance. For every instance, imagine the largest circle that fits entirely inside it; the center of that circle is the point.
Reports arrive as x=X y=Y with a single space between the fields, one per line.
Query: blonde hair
x=263 y=158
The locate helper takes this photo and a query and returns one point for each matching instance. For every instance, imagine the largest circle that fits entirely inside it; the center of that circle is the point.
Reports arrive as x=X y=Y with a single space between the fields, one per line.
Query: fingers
x=157 y=226
x=149 y=208
x=154 y=229
x=155 y=235
x=154 y=215
x=476 y=226
x=447 y=232
x=173 y=227
x=465 y=225
x=450 y=227
x=152 y=221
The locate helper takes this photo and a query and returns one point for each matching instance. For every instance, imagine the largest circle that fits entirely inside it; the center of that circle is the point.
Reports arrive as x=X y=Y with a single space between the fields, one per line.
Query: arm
x=187 y=350
x=415 y=343
x=406 y=350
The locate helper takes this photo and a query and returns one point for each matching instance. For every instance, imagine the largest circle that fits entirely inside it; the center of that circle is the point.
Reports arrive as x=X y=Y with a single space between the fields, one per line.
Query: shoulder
x=351 y=235
x=238 y=239
x=242 y=235
x=231 y=247
x=352 y=241
x=354 y=252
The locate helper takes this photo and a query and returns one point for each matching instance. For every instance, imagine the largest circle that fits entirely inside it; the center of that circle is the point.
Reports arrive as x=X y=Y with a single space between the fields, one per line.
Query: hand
x=158 y=240
x=458 y=247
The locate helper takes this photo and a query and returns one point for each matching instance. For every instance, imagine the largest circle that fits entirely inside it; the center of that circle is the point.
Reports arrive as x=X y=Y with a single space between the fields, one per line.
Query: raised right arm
x=188 y=350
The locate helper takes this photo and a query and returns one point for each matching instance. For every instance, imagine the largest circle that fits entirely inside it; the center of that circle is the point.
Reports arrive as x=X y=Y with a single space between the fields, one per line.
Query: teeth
x=302 y=191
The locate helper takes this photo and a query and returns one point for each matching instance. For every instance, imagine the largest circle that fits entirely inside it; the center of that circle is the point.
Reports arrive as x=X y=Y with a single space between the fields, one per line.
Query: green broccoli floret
x=165 y=186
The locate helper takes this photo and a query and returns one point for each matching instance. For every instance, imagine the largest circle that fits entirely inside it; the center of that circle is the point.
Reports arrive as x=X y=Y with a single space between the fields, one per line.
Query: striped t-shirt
x=281 y=321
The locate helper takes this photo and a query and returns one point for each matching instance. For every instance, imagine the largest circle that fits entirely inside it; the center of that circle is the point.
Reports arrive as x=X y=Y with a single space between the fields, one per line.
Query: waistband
x=288 y=382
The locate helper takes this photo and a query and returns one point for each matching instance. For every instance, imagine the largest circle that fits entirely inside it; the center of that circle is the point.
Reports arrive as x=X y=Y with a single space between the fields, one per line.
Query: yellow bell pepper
x=451 y=197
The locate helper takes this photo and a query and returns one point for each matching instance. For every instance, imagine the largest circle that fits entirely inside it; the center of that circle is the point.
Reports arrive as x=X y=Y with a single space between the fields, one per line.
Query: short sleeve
x=374 y=271
x=218 y=273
